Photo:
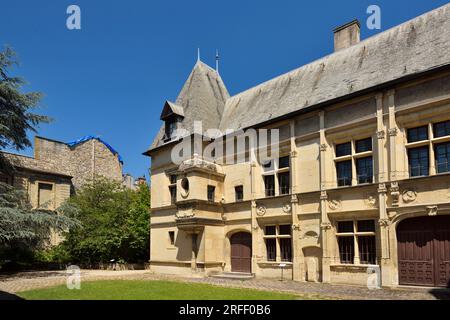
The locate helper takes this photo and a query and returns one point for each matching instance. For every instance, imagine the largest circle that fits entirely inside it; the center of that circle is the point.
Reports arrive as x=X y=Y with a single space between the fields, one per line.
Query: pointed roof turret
x=202 y=98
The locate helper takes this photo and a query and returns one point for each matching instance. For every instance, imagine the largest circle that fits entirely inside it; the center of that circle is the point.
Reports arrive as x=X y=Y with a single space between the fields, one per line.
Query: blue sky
x=111 y=78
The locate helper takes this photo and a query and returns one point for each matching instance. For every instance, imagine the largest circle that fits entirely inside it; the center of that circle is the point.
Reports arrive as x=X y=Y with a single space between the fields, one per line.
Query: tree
x=115 y=223
x=20 y=226
x=16 y=109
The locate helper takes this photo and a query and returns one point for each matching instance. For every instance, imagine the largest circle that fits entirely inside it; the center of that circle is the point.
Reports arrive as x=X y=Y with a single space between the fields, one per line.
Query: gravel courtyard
x=14 y=283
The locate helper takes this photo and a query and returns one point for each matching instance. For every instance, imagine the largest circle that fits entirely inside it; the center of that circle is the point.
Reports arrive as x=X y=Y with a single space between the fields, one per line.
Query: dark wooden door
x=424 y=251
x=241 y=252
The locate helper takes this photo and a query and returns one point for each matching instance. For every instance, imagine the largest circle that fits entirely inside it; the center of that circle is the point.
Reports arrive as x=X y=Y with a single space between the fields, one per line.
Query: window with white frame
x=277 y=173
x=428 y=149
x=356 y=241
x=354 y=162
x=277 y=238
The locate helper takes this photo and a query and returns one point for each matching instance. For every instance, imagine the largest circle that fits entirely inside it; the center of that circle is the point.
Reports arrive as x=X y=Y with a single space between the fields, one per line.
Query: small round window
x=185 y=187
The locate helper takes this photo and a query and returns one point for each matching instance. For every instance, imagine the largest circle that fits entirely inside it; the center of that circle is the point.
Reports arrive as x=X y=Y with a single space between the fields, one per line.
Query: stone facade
x=83 y=161
x=355 y=174
x=57 y=170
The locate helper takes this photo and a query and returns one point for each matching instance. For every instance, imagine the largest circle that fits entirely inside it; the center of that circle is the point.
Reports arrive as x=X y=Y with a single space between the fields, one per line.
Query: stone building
x=58 y=169
x=362 y=177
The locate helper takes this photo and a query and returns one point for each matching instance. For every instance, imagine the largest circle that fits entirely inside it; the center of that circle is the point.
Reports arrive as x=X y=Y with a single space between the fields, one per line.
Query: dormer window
x=171 y=126
x=172 y=115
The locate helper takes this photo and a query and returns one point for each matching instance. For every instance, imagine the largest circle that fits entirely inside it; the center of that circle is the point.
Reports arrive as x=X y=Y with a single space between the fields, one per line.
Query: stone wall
x=83 y=161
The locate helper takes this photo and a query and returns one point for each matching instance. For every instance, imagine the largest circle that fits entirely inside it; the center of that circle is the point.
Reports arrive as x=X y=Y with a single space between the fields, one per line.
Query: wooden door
x=241 y=252
x=424 y=251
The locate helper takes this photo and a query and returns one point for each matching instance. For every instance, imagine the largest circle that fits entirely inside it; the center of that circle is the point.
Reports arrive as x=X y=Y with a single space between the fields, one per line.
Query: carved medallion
x=261 y=210
x=409 y=196
x=370 y=200
x=287 y=208
x=334 y=204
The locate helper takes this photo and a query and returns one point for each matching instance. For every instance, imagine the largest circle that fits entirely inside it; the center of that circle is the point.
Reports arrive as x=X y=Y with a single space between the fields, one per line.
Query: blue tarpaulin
x=87 y=138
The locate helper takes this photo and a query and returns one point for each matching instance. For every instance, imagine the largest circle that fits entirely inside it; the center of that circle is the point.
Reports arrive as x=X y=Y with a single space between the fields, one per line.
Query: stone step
x=233 y=275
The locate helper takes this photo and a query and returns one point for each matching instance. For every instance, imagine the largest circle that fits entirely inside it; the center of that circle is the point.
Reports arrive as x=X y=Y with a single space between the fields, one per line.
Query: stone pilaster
x=392 y=132
x=298 y=272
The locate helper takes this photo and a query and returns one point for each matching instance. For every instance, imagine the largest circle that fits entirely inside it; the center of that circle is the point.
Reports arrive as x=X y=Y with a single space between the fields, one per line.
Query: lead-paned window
x=271 y=230
x=343 y=149
x=271 y=249
x=417 y=134
x=283 y=162
x=360 y=233
x=442 y=156
x=285 y=249
x=363 y=145
x=441 y=129
x=344 y=173
x=285 y=229
x=284 y=182
x=346 y=249
x=367 y=251
x=364 y=170
x=269 y=183
x=418 y=161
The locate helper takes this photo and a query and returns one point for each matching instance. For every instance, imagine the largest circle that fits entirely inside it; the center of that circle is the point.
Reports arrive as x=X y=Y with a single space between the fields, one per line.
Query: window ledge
x=352 y=266
x=275 y=264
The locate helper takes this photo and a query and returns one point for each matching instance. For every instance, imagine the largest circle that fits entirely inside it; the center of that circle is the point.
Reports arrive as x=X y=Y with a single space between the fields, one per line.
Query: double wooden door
x=424 y=251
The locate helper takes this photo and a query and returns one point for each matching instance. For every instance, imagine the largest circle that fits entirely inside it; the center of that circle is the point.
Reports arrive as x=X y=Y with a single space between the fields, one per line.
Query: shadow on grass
x=9 y=296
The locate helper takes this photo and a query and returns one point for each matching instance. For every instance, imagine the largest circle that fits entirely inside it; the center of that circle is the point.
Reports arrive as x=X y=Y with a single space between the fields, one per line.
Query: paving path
x=41 y=279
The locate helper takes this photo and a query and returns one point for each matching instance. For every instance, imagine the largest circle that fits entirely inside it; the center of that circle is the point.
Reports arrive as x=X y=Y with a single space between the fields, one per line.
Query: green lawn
x=151 y=290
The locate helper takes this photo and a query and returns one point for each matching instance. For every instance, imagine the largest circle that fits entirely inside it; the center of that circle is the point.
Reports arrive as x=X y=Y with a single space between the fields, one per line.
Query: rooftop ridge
x=380 y=34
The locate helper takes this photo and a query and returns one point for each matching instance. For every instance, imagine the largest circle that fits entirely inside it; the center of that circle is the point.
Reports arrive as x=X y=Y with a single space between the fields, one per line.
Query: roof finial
x=198 y=54
x=217 y=61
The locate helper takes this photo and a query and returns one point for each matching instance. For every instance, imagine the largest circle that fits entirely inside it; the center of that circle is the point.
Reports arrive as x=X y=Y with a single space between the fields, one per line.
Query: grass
x=152 y=290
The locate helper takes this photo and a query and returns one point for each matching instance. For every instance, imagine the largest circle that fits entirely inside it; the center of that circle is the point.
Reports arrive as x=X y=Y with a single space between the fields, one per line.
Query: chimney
x=346 y=35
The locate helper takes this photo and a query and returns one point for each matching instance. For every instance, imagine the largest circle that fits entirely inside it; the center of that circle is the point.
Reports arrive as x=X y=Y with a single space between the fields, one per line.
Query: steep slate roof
x=171 y=108
x=202 y=98
x=413 y=47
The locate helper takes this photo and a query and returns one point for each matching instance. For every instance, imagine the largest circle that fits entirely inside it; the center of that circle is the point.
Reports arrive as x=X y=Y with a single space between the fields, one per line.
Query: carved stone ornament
x=384 y=222
x=261 y=210
x=432 y=210
x=334 y=204
x=392 y=132
x=323 y=195
x=395 y=193
x=409 y=196
x=287 y=208
x=325 y=226
x=296 y=227
x=185 y=212
x=371 y=201
x=381 y=134
x=382 y=188
x=323 y=147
